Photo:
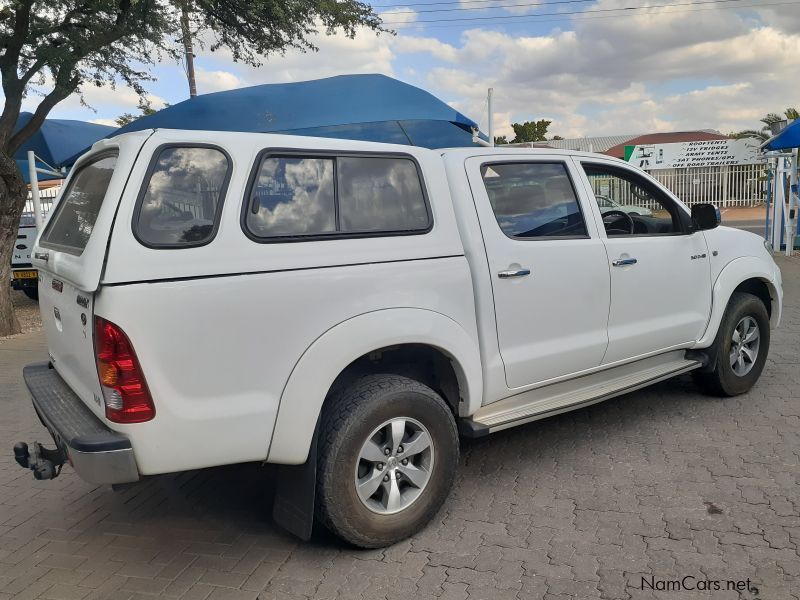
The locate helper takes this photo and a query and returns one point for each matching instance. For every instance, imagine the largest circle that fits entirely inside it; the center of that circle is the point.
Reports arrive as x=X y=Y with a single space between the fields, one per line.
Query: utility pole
x=188 y=50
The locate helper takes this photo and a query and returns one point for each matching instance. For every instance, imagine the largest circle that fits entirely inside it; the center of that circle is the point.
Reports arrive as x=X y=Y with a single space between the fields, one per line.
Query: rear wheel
x=32 y=293
x=740 y=348
x=388 y=451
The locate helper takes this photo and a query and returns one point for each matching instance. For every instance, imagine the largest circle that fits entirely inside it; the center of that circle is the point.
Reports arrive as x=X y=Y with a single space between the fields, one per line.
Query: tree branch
x=61 y=91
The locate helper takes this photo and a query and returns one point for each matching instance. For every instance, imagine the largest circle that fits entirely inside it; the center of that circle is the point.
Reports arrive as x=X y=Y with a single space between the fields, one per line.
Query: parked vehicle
x=23 y=275
x=346 y=309
x=605 y=203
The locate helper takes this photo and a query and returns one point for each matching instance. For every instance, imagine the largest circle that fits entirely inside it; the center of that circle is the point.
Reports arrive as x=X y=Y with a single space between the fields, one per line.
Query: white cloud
x=338 y=55
x=720 y=69
x=399 y=17
x=215 y=81
x=110 y=122
x=437 y=49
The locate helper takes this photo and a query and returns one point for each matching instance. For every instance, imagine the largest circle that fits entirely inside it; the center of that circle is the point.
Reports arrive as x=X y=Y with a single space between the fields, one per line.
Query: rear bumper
x=98 y=454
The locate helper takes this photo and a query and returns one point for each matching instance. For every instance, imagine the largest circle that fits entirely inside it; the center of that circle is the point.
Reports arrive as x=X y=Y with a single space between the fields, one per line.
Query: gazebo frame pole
x=778 y=200
x=34 y=178
x=791 y=221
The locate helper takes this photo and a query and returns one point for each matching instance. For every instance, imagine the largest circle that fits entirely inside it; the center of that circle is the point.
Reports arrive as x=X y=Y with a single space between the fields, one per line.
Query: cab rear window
x=179 y=205
x=72 y=223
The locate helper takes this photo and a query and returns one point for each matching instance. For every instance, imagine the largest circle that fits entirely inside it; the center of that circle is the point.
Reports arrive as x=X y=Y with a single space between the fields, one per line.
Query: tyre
x=740 y=348
x=32 y=293
x=387 y=456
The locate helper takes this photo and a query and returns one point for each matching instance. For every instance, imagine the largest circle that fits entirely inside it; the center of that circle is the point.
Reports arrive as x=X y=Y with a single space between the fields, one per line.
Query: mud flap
x=295 y=493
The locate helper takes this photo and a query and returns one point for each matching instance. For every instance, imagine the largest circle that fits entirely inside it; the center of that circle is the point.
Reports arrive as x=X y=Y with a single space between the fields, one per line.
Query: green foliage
x=499 y=140
x=145 y=110
x=765 y=132
x=54 y=49
x=60 y=46
x=530 y=131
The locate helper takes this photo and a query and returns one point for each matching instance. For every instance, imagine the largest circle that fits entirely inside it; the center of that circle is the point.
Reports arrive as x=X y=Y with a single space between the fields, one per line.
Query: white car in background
x=606 y=204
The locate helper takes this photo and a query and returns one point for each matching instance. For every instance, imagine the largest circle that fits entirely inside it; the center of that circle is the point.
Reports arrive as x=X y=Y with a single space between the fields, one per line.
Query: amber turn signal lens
x=108 y=373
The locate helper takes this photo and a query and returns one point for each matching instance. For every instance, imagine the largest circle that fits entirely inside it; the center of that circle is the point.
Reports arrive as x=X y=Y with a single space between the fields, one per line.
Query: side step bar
x=589 y=389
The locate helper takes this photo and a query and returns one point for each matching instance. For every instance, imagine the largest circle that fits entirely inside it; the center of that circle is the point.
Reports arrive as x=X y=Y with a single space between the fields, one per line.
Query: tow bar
x=45 y=463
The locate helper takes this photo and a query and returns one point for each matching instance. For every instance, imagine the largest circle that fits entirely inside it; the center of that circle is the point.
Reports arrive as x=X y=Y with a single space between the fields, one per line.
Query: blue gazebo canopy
x=786 y=139
x=58 y=141
x=362 y=107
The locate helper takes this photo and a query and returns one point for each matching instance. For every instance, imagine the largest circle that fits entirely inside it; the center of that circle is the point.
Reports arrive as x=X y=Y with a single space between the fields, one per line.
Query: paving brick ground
x=661 y=483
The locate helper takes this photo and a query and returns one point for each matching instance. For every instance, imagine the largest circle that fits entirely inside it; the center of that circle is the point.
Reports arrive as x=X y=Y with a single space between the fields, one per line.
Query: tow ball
x=45 y=463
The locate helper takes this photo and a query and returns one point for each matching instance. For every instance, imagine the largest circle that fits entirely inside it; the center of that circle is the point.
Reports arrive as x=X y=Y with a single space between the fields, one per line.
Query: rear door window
x=533 y=200
x=182 y=197
x=72 y=223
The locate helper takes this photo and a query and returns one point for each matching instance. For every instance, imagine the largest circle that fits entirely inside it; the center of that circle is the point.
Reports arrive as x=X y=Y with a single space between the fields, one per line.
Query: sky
x=589 y=67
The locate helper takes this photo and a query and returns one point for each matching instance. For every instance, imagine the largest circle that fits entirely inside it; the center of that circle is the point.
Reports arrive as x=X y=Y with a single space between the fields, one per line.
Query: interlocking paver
x=660 y=483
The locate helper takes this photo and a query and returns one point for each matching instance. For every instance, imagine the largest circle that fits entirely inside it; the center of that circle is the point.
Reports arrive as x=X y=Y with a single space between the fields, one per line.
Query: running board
x=582 y=391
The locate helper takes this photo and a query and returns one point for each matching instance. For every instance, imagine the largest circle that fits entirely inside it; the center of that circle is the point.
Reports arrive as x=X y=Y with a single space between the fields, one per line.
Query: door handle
x=45 y=256
x=514 y=273
x=621 y=262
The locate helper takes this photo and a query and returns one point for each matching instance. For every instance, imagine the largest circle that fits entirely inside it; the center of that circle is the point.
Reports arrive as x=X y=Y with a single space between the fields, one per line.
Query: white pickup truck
x=348 y=309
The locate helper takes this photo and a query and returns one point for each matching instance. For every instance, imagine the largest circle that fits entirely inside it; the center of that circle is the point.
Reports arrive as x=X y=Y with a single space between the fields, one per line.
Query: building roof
x=584 y=144
x=618 y=151
x=614 y=145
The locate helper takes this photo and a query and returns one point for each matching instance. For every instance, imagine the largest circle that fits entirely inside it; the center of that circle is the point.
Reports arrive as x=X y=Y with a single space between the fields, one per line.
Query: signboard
x=709 y=153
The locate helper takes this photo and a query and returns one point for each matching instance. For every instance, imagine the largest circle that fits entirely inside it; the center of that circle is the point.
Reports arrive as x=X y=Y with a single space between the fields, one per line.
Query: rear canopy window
x=72 y=223
x=380 y=194
x=316 y=196
x=181 y=201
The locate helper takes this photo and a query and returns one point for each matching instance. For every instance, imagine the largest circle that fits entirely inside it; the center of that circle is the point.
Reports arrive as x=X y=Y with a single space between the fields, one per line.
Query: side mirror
x=705 y=216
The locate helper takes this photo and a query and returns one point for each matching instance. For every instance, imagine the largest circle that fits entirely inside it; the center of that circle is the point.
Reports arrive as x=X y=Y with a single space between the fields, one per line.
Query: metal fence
x=736 y=185
x=46 y=197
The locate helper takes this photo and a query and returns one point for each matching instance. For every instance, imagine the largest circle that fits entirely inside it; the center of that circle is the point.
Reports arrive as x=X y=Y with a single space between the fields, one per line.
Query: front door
x=547 y=265
x=660 y=269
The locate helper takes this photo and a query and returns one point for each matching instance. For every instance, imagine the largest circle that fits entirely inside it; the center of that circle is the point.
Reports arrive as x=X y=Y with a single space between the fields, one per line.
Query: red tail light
x=125 y=390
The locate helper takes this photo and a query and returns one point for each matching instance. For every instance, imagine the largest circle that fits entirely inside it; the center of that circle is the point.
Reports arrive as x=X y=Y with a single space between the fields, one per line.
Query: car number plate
x=25 y=274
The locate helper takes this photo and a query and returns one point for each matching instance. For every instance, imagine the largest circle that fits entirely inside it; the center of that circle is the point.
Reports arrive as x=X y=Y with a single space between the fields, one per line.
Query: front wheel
x=387 y=456
x=740 y=348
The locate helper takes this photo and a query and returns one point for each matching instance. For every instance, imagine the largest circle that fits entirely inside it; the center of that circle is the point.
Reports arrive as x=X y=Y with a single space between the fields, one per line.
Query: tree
x=770 y=119
x=556 y=138
x=500 y=140
x=145 y=110
x=530 y=131
x=55 y=49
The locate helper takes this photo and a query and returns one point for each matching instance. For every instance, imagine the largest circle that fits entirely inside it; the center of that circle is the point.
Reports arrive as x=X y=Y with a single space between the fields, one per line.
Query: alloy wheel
x=394 y=465
x=745 y=343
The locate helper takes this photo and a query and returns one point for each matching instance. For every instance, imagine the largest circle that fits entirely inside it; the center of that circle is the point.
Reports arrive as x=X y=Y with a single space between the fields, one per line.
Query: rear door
x=548 y=266
x=70 y=253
